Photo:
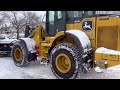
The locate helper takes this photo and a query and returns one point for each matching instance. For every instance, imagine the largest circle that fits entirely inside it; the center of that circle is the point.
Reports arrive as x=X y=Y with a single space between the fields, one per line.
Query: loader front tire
x=64 y=59
x=19 y=54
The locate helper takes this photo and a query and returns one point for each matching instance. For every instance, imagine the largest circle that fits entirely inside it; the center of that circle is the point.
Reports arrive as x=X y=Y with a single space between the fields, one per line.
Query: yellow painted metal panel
x=112 y=60
x=69 y=26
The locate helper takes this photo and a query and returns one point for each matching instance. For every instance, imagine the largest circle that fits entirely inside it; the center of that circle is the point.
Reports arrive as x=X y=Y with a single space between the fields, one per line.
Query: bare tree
x=2 y=24
x=19 y=19
x=32 y=19
x=14 y=19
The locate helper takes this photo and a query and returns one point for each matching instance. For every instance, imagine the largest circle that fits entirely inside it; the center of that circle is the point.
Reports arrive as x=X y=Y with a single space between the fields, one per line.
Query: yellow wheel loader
x=72 y=42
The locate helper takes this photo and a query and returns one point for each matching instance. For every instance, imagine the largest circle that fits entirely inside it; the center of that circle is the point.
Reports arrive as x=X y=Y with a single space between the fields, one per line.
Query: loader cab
x=77 y=16
x=55 y=22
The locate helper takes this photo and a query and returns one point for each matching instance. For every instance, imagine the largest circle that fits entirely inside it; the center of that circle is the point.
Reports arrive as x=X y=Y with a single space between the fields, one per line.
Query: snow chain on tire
x=24 y=51
x=73 y=53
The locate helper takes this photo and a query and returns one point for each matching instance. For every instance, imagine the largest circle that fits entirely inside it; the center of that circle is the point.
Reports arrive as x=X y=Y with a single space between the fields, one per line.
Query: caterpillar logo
x=87 y=25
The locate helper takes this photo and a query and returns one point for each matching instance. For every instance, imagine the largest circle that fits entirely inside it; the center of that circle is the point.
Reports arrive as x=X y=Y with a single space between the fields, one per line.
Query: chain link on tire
x=23 y=49
x=74 y=53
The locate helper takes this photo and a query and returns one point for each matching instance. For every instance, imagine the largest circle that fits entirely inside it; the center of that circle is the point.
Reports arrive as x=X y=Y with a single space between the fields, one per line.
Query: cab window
x=51 y=30
x=80 y=14
x=59 y=14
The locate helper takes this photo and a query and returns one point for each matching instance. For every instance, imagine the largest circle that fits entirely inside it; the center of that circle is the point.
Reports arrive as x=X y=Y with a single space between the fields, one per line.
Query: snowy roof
x=4 y=39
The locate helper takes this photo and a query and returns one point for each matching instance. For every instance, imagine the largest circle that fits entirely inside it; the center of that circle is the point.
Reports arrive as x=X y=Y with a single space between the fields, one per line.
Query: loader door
x=50 y=23
x=60 y=21
x=55 y=22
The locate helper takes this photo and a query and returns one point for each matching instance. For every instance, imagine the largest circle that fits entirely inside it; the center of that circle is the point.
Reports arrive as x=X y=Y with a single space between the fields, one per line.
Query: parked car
x=6 y=45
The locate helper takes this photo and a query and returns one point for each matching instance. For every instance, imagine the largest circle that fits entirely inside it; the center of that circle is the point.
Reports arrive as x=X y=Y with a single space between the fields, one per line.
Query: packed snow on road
x=35 y=70
x=32 y=71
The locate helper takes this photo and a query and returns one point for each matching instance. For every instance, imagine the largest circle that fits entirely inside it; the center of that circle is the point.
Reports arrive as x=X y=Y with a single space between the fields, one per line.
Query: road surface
x=37 y=71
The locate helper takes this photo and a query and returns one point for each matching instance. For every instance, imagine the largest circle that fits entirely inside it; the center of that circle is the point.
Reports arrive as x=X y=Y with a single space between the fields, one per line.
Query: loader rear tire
x=19 y=54
x=68 y=54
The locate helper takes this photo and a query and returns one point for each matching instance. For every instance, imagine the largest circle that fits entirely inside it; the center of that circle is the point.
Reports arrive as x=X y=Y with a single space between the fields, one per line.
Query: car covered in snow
x=6 y=44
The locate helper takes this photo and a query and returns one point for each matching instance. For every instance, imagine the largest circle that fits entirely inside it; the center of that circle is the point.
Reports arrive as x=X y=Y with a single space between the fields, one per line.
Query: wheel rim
x=17 y=54
x=63 y=63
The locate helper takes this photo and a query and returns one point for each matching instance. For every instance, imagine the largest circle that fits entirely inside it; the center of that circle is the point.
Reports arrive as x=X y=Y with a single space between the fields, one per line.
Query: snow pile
x=82 y=37
x=107 y=51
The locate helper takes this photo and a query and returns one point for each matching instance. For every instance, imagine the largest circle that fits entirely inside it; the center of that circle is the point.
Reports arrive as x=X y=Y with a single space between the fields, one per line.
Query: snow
x=32 y=71
x=30 y=44
x=6 y=39
x=82 y=37
x=98 y=69
x=37 y=71
x=62 y=47
x=107 y=51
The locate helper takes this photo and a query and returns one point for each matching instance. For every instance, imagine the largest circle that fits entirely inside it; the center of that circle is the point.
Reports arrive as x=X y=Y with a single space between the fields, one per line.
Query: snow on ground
x=32 y=71
x=37 y=71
